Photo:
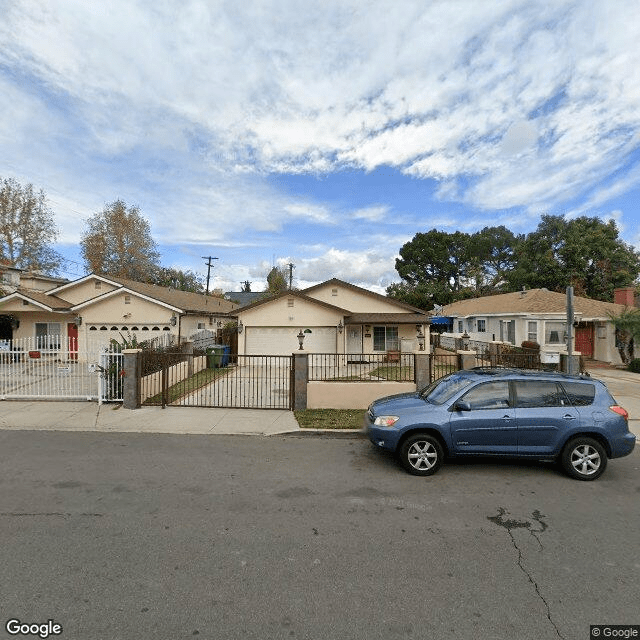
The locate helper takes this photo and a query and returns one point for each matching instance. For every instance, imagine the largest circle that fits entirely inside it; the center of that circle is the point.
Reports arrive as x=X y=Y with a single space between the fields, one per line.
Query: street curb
x=333 y=433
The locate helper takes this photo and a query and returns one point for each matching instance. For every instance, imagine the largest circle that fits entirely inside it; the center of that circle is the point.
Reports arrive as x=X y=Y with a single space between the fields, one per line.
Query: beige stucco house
x=334 y=317
x=96 y=308
x=539 y=315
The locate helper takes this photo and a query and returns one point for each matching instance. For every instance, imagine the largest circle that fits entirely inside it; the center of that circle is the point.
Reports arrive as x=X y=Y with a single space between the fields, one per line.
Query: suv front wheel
x=421 y=454
x=584 y=458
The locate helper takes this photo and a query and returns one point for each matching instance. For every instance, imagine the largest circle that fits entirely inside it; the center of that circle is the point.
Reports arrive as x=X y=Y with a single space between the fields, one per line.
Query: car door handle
x=506 y=418
x=569 y=417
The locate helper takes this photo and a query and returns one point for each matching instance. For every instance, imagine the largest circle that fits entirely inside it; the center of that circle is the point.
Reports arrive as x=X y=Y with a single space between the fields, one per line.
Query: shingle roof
x=531 y=301
x=185 y=300
x=52 y=302
x=243 y=297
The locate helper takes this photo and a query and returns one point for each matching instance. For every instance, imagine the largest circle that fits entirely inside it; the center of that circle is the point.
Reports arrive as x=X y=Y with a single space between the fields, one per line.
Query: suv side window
x=491 y=395
x=539 y=393
x=581 y=394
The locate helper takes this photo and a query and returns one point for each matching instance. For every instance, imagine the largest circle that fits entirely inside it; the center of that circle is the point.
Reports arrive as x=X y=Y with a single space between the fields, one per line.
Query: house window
x=554 y=332
x=48 y=335
x=98 y=284
x=532 y=331
x=482 y=326
x=459 y=326
x=385 y=339
x=289 y=302
x=200 y=325
x=334 y=292
x=127 y=299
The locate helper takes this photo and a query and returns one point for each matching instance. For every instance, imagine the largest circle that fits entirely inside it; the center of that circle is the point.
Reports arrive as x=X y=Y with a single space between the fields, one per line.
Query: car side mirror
x=461 y=405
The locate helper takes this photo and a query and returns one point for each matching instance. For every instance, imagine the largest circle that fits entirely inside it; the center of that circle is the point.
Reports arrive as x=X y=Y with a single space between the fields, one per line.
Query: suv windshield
x=444 y=389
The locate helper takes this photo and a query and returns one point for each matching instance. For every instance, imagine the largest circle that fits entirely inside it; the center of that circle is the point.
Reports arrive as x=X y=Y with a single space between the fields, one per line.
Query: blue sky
x=323 y=134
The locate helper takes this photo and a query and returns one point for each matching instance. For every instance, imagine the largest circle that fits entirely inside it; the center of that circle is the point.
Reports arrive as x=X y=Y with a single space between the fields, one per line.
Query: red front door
x=584 y=340
x=72 y=335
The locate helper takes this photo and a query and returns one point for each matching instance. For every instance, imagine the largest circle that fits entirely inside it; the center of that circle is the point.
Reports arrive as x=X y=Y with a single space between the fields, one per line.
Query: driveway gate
x=216 y=380
x=57 y=368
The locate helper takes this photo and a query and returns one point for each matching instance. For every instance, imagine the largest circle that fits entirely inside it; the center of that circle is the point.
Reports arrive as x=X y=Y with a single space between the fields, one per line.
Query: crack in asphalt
x=510 y=524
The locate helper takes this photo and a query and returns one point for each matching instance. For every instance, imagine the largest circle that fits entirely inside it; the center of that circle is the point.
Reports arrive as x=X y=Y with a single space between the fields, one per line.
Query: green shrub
x=634 y=365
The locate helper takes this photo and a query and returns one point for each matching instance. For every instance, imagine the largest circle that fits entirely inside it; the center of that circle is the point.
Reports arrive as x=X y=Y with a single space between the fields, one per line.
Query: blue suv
x=504 y=412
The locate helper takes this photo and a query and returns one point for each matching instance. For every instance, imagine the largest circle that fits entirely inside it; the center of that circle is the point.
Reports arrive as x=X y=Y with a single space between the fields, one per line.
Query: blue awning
x=441 y=320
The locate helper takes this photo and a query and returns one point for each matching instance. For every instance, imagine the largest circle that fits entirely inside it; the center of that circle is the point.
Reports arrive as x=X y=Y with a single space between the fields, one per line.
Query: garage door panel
x=281 y=341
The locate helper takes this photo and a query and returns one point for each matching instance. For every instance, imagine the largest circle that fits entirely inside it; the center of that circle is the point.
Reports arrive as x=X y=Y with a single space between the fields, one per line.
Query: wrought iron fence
x=441 y=365
x=358 y=367
x=204 y=380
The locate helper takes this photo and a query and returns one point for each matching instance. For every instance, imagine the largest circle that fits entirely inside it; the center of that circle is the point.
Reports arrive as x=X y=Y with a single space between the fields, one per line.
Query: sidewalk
x=624 y=386
x=89 y=416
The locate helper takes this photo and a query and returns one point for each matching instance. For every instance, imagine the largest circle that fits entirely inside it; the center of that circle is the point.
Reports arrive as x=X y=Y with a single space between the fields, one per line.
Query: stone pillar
x=495 y=347
x=187 y=348
x=300 y=379
x=422 y=370
x=466 y=359
x=131 y=376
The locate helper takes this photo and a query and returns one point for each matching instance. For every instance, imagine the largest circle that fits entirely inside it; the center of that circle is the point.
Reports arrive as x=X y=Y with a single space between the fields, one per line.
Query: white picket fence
x=59 y=367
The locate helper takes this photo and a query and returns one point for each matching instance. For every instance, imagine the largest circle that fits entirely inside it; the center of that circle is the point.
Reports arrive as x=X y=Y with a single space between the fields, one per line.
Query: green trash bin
x=214 y=357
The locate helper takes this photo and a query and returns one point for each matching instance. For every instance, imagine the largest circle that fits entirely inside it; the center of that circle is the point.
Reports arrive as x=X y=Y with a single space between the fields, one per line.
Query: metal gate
x=57 y=367
x=214 y=380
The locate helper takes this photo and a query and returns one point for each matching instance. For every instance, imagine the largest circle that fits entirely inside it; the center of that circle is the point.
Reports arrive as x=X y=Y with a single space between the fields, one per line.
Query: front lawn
x=188 y=385
x=330 y=418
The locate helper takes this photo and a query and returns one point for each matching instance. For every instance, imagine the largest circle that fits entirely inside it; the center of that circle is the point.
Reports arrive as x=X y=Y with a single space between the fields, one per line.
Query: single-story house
x=540 y=315
x=96 y=308
x=334 y=317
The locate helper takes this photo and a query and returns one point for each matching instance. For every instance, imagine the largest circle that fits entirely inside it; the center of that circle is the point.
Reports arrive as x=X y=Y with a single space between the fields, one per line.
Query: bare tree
x=117 y=241
x=27 y=228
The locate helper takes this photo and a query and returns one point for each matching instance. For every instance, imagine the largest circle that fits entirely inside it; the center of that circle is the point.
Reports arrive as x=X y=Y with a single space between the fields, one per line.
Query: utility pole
x=291 y=268
x=570 y=366
x=209 y=265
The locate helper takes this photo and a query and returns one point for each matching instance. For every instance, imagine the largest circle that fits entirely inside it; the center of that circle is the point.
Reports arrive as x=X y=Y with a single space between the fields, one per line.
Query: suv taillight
x=620 y=411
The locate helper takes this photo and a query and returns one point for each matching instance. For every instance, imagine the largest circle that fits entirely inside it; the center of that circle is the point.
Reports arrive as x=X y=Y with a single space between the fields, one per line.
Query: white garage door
x=278 y=341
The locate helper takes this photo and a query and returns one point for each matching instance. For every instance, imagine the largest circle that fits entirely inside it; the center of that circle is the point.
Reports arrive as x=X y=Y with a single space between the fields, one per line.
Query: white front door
x=354 y=339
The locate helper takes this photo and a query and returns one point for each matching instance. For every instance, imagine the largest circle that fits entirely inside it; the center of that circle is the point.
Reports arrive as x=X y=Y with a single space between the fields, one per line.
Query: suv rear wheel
x=421 y=454
x=584 y=458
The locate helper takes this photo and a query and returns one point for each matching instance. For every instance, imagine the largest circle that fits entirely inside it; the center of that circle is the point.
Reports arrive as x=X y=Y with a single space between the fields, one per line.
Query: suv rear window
x=539 y=393
x=580 y=394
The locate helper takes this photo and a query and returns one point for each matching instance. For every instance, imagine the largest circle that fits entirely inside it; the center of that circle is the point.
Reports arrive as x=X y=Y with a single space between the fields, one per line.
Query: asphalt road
x=138 y=536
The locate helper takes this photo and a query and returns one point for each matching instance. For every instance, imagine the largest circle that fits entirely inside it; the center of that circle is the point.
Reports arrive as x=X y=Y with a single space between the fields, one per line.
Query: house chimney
x=624 y=295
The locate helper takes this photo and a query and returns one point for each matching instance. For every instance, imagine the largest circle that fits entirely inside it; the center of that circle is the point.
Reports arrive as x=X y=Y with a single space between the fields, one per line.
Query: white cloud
x=374 y=213
x=353 y=266
x=186 y=108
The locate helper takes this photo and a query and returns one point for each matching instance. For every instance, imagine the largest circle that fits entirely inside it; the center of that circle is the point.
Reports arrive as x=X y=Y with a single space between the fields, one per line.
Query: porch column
x=131 y=379
x=300 y=378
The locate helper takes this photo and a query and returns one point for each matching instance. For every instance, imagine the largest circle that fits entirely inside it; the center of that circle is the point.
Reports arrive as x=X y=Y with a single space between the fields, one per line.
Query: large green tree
x=494 y=251
x=433 y=265
x=27 y=228
x=117 y=241
x=178 y=279
x=583 y=252
x=439 y=267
